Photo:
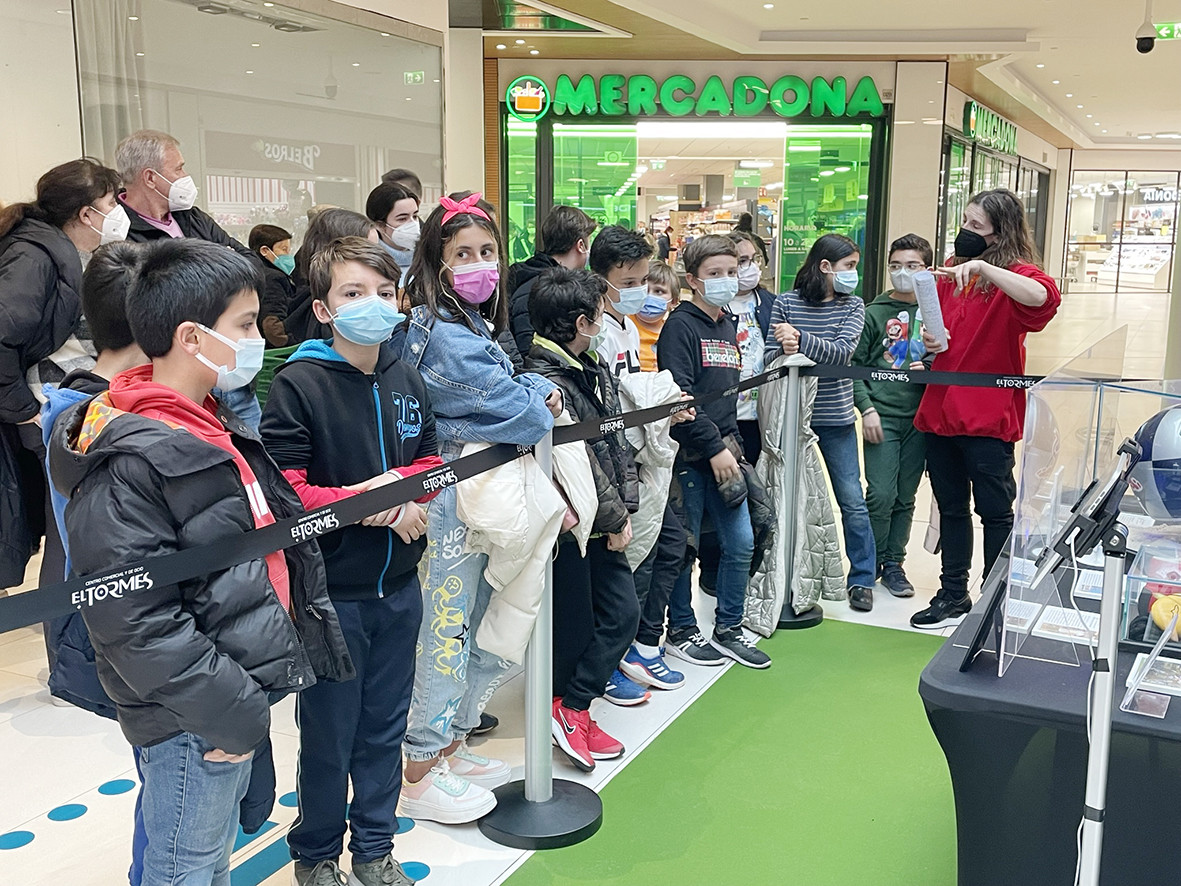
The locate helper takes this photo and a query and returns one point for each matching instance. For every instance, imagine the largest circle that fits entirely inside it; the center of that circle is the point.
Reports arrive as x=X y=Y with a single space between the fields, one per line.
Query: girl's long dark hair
x=1014 y=242
x=426 y=286
x=61 y=194
x=811 y=285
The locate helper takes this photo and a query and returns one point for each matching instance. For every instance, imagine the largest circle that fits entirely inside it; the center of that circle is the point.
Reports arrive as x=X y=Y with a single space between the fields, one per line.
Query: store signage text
x=302 y=155
x=616 y=95
x=1158 y=195
x=241 y=152
x=989 y=128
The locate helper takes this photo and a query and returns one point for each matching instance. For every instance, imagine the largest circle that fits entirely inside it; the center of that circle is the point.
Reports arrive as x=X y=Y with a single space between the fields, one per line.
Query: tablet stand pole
x=541 y=812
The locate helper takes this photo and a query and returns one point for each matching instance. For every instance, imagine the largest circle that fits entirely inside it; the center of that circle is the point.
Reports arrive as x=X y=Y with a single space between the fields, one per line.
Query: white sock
x=647 y=651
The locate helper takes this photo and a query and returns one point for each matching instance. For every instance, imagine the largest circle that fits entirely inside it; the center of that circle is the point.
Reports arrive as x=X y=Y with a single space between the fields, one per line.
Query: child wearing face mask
x=822 y=319
x=895 y=452
x=395 y=210
x=664 y=291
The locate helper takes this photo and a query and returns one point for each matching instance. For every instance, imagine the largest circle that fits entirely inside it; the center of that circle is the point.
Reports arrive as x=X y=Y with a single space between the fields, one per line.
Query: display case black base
x=809 y=618
x=572 y=815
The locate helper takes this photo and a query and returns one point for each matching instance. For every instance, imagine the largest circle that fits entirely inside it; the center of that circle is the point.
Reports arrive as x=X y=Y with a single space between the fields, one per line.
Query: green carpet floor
x=821 y=771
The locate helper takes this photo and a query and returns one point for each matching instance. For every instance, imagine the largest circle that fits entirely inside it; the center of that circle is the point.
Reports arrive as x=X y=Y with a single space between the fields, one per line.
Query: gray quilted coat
x=818 y=568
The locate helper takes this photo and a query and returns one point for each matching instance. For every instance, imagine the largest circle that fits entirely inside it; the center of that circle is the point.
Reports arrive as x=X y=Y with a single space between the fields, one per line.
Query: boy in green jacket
x=895 y=452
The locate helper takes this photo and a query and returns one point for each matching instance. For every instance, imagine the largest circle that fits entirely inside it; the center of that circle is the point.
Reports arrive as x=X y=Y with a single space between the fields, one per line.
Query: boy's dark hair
x=426 y=287
x=916 y=243
x=563 y=228
x=326 y=226
x=810 y=283
x=266 y=235
x=559 y=297
x=406 y=179
x=384 y=198
x=707 y=247
x=185 y=280
x=615 y=247
x=105 y=286
x=358 y=249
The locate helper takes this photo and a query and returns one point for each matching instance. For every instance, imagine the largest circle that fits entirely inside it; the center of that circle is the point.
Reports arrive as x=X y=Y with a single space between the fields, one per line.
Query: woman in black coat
x=43 y=245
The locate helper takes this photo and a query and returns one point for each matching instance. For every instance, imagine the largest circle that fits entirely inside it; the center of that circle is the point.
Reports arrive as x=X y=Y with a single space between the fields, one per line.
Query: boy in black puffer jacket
x=596 y=614
x=154 y=466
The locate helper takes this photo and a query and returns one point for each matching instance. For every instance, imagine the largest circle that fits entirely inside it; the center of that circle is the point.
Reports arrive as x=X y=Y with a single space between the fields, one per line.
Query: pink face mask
x=475 y=283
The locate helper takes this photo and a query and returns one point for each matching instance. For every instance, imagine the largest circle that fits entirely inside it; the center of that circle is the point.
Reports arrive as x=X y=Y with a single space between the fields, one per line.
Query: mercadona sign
x=638 y=95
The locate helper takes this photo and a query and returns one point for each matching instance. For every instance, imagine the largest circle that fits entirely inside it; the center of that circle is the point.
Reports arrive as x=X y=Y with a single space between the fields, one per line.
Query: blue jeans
x=190 y=812
x=838 y=445
x=243 y=404
x=453 y=678
x=735 y=538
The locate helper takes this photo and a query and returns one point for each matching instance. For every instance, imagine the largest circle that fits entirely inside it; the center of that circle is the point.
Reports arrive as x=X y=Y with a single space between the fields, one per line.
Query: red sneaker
x=602 y=746
x=570 y=729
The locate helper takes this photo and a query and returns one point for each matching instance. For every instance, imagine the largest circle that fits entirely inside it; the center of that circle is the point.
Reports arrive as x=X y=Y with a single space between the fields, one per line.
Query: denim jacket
x=470 y=379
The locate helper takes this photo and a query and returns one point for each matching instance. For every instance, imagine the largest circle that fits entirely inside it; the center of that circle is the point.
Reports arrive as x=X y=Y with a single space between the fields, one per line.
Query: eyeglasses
x=910 y=266
x=745 y=262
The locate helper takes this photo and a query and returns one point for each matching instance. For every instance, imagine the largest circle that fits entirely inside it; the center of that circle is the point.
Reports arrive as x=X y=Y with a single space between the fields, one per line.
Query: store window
x=521 y=187
x=276 y=108
x=595 y=169
x=1121 y=231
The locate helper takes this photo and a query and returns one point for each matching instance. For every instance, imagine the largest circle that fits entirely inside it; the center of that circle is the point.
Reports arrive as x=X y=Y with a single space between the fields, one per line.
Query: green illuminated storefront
x=803 y=148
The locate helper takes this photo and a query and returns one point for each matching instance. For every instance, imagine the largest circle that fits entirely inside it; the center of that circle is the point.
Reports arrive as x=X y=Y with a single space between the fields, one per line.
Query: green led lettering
x=750 y=96
x=611 y=94
x=865 y=99
x=830 y=97
x=641 y=95
x=713 y=98
x=676 y=105
x=799 y=96
x=574 y=100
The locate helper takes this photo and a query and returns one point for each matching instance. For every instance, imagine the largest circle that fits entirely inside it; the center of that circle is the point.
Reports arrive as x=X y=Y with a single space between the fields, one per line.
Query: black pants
x=656 y=576
x=964 y=470
x=355 y=729
x=595 y=618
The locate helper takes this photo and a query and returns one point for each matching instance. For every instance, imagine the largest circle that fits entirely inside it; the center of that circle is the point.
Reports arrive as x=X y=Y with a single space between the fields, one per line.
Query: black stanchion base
x=809 y=618
x=574 y=814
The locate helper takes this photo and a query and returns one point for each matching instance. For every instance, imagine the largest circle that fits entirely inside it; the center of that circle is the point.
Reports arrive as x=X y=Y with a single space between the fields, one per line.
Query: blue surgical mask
x=845 y=282
x=368 y=321
x=285 y=263
x=653 y=308
x=720 y=291
x=630 y=299
x=247 y=360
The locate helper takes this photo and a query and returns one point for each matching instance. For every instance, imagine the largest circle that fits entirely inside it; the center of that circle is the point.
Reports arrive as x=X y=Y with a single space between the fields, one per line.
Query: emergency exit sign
x=414 y=78
x=1168 y=31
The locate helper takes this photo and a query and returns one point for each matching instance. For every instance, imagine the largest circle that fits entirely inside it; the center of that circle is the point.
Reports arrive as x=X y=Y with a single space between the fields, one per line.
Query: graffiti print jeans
x=454 y=678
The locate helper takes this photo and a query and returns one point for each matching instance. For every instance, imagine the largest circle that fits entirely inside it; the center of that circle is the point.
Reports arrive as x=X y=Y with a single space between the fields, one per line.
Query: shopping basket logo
x=528 y=98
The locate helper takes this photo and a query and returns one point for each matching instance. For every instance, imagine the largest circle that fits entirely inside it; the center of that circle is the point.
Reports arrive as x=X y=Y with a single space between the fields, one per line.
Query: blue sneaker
x=650 y=671
x=622 y=691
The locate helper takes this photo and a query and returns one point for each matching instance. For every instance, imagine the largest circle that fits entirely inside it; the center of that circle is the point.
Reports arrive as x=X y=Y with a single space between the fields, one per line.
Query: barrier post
x=789 y=502
x=540 y=812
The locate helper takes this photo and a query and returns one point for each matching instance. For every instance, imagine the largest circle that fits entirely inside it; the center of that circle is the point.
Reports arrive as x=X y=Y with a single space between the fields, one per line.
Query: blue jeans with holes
x=838 y=445
x=190 y=812
x=735 y=538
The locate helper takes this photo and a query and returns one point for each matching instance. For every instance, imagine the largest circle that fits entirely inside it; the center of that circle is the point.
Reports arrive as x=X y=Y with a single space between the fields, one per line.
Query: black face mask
x=969 y=244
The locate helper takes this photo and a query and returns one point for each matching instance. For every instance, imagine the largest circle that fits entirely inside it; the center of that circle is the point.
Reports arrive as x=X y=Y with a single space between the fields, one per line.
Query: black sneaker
x=942 y=612
x=895 y=580
x=688 y=645
x=860 y=598
x=486 y=725
x=733 y=643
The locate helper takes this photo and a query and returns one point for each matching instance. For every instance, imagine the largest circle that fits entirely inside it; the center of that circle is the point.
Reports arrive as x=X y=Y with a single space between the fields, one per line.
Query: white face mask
x=720 y=291
x=748 y=277
x=116 y=224
x=405 y=236
x=248 y=354
x=903 y=279
x=182 y=193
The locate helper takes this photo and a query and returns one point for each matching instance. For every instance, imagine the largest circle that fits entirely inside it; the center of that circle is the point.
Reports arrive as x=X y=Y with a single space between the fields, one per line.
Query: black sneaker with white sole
x=943 y=612
x=733 y=643
x=688 y=645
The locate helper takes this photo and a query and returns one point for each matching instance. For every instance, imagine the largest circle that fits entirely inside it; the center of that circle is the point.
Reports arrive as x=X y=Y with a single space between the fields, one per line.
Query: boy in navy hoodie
x=345 y=416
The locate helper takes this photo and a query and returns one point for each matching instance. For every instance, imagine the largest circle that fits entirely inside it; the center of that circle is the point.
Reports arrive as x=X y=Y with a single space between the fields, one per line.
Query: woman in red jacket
x=992 y=294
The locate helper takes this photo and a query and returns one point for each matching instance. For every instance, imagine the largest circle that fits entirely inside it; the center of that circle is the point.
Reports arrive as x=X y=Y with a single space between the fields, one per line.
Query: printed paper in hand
x=928 y=298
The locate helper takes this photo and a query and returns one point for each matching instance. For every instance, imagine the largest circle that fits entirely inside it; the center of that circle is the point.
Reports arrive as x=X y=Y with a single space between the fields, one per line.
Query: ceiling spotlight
x=1041 y=66
x=1144 y=137
x=1055 y=82
x=139 y=55
x=1079 y=107
x=268 y=5
x=768 y=6
x=256 y=44
x=213 y=8
x=1104 y=131
x=356 y=64
x=1089 y=116
x=250 y=72
x=843 y=168
x=519 y=42
x=133 y=18
x=501 y=46
x=534 y=52
x=827 y=172
x=1070 y=95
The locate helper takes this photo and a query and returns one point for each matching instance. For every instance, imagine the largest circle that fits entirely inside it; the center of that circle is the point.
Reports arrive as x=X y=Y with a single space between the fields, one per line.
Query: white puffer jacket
x=572 y=473
x=654 y=450
x=513 y=514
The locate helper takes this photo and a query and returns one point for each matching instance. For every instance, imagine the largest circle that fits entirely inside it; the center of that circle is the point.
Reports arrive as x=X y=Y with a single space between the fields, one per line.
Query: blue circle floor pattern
x=68 y=812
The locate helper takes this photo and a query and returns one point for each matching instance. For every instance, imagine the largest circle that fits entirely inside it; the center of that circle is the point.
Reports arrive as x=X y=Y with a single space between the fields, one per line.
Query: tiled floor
x=67 y=774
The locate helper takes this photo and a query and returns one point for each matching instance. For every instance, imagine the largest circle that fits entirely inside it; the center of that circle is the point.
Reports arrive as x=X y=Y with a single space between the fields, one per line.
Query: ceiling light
x=384 y=34
x=501 y=46
x=775 y=187
x=133 y=18
x=250 y=72
x=1055 y=82
x=436 y=80
x=1104 y=132
x=256 y=44
x=268 y=5
x=827 y=172
x=768 y=6
x=756 y=164
x=519 y=42
x=1070 y=95
x=356 y=64
x=843 y=168
x=63 y=11
x=580 y=181
x=534 y=52
x=139 y=55
x=1144 y=137
x=1041 y=66
x=863 y=196
x=1089 y=116
x=409 y=99
x=687 y=129
x=1080 y=107
x=815 y=179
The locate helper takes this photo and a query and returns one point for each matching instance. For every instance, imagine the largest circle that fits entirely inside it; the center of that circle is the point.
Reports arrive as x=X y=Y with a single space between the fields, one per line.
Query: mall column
x=541 y=812
x=788 y=618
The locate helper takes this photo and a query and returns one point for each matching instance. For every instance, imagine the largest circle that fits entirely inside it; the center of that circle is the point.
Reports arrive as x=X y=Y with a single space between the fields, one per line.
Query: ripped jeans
x=454 y=679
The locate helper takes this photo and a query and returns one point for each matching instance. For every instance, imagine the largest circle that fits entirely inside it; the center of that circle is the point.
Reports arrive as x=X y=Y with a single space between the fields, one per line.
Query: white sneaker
x=481 y=771
x=444 y=797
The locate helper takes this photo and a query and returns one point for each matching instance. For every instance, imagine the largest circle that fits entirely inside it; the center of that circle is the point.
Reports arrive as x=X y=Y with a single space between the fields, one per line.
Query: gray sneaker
x=383 y=872
x=324 y=873
x=733 y=643
x=688 y=645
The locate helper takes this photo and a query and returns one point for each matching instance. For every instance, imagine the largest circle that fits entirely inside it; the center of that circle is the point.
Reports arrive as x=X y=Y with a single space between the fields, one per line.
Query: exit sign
x=414 y=78
x=1168 y=31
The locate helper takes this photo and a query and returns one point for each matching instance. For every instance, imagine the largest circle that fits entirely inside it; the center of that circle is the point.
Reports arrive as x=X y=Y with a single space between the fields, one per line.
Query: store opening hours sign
x=616 y=95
